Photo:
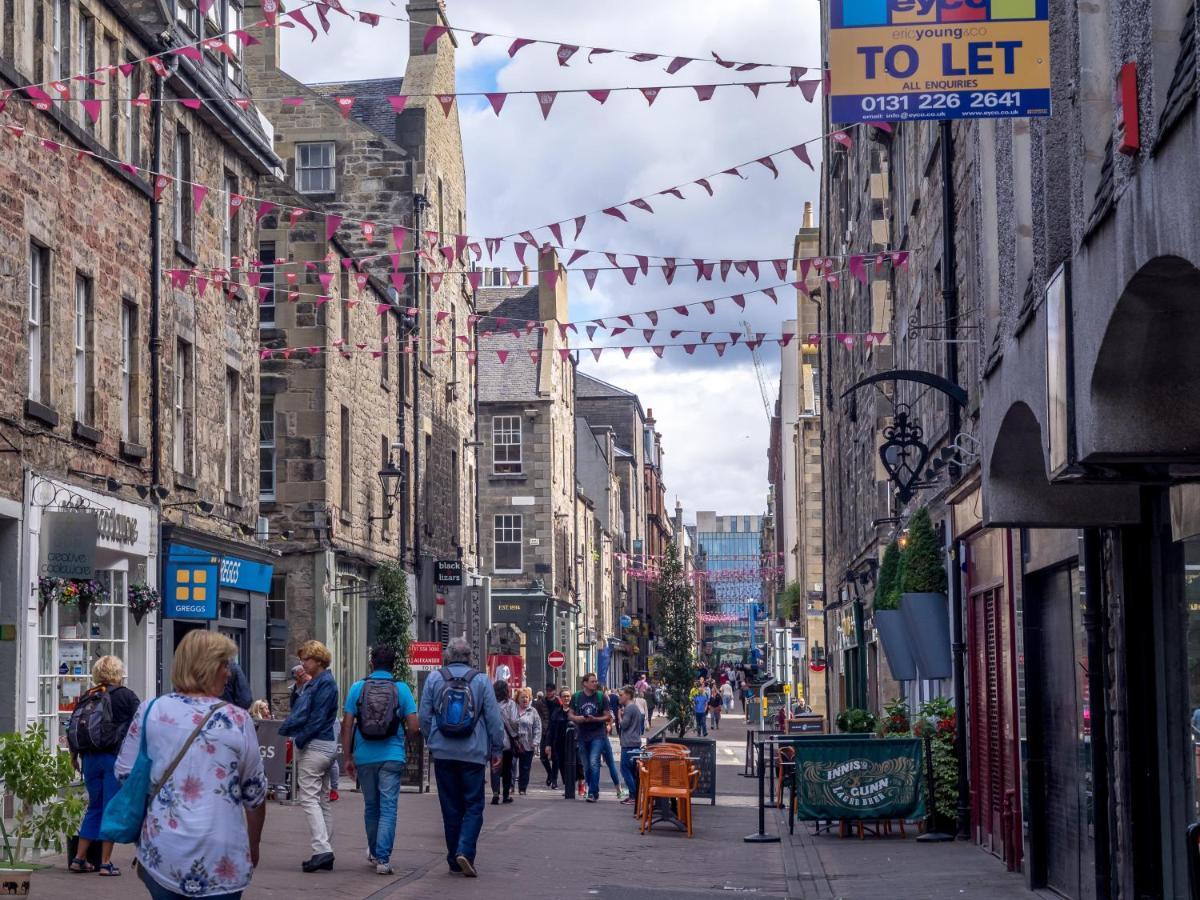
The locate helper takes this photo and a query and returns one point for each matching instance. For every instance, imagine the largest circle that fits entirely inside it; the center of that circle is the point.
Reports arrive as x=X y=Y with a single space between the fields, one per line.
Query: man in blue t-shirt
x=589 y=712
x=378 y=763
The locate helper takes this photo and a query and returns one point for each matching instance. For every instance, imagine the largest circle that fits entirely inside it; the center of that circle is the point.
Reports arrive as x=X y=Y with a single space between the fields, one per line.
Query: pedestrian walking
x=651 y=697
x=633 y=723
x=461 y=723
x=556 y=741
x=727 y=695
x=529 y=737
x=591 y=717
x=310 y=726
x=543 y=705
x=260 y=710
x=379 y=712
x=237 y=688
x=714 y=707
x=503 y=777
x=699 y=698
x=97 y=728
x=205 y=820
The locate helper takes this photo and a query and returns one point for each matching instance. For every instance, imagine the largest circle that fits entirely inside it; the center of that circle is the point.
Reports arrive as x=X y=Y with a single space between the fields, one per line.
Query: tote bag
x=123 y=817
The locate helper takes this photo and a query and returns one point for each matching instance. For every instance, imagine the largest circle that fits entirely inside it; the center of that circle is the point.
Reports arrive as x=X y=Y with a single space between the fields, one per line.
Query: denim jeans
x=380 y=783
x=158 y=892
x=460 y=793
x=702 y=724
x=503 y=778
x=607 y=755
x=629 y=769
x=101 y=787
x=524 y=764
x=590 y=751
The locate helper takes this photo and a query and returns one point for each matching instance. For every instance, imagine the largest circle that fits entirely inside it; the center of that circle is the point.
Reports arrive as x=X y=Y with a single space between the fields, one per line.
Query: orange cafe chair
x=668 y=778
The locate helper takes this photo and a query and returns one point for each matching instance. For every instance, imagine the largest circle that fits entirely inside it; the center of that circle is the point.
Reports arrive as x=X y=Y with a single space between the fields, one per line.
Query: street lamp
x=391 y=477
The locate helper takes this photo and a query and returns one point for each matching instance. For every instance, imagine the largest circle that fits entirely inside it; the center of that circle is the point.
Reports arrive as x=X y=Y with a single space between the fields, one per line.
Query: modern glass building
x=730 y=550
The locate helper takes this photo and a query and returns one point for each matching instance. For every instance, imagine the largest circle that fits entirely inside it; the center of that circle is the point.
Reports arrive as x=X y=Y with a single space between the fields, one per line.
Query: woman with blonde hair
x=310 y=726
x=205 y=815
x=98 y=725
x=260 y=709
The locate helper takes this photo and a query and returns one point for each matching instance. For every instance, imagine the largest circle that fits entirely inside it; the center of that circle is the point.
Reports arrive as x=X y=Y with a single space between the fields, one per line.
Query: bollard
x=761 y=837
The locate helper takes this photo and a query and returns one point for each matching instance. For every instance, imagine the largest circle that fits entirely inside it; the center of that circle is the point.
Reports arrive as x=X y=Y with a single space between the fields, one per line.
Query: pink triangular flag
x=600 y=95
x=517 y=45
x=627 y=351
x=590 y=275
x=431 y=36
x=615 y=213
x=704 y=91
x=345 y=104
x=398 y=103
x=579 y=220
x=596 y=351
x=809 y=88
x=769 y=163
x=642 y=204
x=92 y=108
x=556 y=230
x=650 y=93
x=565 y=52
x=546 y=102
x=264 y=209
x=502 y=355
x=842 y=138
x=801 y=151
x=199 y=192
x=497 y=101
x=332 y=223
x=703 y=182
x=446 y=101
x=677 y=63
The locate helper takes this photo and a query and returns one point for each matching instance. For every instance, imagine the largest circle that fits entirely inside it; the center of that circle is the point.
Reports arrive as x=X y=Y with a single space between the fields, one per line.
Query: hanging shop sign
x=192 y=582
x=448 y=572
x=233 y=571
x=893 y=60
x=67 y=545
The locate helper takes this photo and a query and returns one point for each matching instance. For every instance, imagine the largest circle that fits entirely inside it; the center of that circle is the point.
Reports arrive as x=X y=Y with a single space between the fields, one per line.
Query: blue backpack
x=455 y=710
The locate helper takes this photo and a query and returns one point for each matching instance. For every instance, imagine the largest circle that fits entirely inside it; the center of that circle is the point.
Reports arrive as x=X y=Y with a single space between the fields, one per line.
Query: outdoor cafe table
x=664 y=809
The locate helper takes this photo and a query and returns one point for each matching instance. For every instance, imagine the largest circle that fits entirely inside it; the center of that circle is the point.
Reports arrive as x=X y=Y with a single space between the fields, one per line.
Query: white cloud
x=524 y=172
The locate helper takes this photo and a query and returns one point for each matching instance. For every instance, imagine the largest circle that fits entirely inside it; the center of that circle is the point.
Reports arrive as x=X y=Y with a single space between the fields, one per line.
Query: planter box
x=897 y=646
x=15 y=882
x=927 y=618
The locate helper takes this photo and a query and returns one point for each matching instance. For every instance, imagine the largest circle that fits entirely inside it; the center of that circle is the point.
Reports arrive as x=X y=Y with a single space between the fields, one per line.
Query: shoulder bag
x=125 y=813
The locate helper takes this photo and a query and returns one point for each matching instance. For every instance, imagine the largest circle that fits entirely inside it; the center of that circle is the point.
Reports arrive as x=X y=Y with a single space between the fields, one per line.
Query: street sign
x=448 y=572
x=425 y=656
x=555 y=659
x=893 y=60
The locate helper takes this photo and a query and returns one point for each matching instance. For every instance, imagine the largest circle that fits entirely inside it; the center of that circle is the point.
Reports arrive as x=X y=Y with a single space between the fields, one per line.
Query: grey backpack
x=378 y=709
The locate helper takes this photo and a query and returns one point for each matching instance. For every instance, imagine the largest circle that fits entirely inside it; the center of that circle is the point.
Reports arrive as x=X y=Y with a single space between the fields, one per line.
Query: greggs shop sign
x=892 y=60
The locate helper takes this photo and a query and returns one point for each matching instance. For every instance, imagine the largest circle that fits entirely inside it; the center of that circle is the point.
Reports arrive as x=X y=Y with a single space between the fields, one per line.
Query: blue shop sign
x=243 y=574
x=191 y=584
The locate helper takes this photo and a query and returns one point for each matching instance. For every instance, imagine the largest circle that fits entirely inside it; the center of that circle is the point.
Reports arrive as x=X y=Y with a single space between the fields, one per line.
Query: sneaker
x=382 y=868
x=628 y=801
x=622 y=794
x=592 y=798
x=333 y=796
x=468 y=868
x=495 y=799
x=371 y=860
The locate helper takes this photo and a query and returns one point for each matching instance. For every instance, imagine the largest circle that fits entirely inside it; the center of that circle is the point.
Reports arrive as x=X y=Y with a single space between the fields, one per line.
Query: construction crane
x=758 y=370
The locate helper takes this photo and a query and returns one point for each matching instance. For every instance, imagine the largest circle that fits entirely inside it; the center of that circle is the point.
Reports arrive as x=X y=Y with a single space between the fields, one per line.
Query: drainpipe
x=418 y=208
x=156 y=118
x=1095 y=627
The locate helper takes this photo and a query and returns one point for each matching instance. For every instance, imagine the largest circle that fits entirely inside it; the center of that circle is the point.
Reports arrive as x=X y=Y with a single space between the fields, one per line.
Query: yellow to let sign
x=892 y=60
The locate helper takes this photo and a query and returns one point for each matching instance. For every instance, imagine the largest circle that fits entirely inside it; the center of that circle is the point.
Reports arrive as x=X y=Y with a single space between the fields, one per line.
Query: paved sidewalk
x=543 y=847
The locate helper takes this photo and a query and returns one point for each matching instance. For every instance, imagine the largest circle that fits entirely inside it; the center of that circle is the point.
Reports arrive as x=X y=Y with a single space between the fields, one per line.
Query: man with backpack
x=461 y=723
x=589 y=712
x=373 y=747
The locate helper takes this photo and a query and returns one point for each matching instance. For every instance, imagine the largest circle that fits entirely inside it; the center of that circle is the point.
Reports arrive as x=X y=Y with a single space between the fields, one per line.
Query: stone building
x=596 y=473
x=112 y=362
x=605 y=405
x=391 y=171
x=527 y=490
x=1070 y=523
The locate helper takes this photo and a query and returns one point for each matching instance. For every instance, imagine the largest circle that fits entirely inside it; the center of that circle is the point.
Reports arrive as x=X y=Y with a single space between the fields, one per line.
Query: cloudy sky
x=523 y=172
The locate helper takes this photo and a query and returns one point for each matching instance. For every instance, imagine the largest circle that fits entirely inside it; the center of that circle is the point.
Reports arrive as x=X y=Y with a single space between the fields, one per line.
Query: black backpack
x=455 y=709
x=91 y=728
x=378 y=710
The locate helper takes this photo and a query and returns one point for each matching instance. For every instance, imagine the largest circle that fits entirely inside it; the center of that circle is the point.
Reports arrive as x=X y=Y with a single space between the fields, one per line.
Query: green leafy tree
x=395 y=617
x=887 y=589
x=676 y=630
x=47 y=806
x=923 y=571
x=791 y=601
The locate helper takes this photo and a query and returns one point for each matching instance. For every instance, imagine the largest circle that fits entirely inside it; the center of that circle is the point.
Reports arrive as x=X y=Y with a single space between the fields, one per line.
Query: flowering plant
x=143 y=599
x=71 y=592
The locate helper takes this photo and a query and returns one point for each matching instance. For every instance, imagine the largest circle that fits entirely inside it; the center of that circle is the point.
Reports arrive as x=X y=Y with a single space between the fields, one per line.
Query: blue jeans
x=101 y=788
x=702 y=724
x=629 y=769
x=158 y=892
x=590 y=750
x=380 y=783
x=607 y=754
x=460 y=793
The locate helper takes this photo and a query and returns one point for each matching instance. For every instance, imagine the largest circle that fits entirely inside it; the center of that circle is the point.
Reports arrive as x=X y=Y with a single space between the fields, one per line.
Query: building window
x=133 y=120
x=60 y=40
x=87 y=61
x=506 y=445
x=266 y=448
x=83 y=350
x=230 y=246
x=187 y=15
x=114 y=107
x=345 y=467
x=183 y=188
x=212 y=21
x=508 y=544
x=266 y=268
x=39 y=324
x=233 y=60
x=277 y=629
x=184 y=396
x=315 y=167
x=233 y=441
x=129 y=330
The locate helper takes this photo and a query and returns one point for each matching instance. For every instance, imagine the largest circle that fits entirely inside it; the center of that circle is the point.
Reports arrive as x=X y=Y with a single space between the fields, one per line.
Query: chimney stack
x=808 y=214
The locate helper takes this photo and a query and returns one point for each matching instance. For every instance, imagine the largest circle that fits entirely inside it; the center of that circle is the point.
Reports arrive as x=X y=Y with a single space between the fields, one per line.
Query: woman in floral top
x=202 y=829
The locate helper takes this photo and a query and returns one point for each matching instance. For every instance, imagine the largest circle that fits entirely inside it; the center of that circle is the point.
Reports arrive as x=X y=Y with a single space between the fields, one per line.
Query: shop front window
x=69 y=645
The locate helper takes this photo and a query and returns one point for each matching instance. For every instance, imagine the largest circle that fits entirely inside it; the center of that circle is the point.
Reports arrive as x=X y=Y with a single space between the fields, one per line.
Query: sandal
x=80 y=866
x=108 y=870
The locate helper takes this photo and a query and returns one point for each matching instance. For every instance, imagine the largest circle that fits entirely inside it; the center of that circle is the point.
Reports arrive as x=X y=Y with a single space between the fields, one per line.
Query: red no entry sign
x=556 y=659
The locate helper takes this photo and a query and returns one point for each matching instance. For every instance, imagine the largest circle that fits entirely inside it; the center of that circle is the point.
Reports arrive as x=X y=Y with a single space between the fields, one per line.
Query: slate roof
x=587 y=386
x=371 y=106
x=516 y=379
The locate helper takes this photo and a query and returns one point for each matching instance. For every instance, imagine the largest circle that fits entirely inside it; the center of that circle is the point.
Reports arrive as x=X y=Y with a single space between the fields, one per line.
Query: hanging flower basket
x=80 y=593
x=143 y=599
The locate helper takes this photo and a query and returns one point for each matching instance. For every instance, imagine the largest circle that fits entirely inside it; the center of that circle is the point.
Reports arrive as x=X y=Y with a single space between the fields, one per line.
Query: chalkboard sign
x=705 y=751
x=416 y=768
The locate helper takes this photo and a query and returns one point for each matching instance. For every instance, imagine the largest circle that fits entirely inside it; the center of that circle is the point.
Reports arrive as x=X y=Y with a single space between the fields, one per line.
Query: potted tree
x=923 y=599
x=889 y=620
x=47 y=806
